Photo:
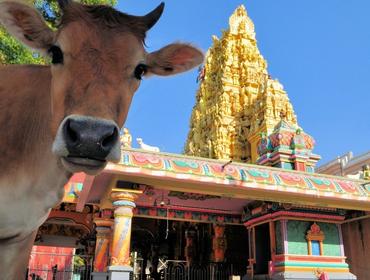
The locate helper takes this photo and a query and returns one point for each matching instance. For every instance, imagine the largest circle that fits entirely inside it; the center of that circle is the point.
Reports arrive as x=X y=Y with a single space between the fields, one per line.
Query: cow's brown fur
x=18 y=103
x=96 y=81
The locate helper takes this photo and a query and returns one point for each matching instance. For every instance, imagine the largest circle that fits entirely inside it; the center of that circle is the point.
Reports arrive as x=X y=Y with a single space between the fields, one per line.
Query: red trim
x=78 y=218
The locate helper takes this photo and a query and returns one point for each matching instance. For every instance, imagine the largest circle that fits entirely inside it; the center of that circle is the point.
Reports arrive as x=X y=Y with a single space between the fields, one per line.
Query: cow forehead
x=78 y=37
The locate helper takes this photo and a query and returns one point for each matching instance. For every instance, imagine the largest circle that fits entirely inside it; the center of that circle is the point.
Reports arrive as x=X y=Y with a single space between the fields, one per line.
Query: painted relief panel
x=72 y=191
x=297 y=243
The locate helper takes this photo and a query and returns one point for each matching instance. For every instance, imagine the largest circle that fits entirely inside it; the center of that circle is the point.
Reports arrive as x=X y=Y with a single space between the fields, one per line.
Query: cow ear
x=173 y=59
x=26 y=24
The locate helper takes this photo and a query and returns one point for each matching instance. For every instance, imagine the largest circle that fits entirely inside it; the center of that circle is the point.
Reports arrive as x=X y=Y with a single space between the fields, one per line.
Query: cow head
x=98 y=60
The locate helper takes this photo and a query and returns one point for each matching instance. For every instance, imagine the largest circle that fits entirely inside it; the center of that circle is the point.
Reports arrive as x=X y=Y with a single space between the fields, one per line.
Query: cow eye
x=140 y=71
x=56 y=55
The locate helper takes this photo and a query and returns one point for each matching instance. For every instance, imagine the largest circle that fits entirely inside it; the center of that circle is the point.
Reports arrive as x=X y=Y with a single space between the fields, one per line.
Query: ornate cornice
x=272 y=180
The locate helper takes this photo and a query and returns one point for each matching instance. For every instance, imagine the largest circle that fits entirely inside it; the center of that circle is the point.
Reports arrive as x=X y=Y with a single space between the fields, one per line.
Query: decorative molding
x=193 y=196
x=279 y=215
x=186 y=215
x=183 y=168
x=306 y=258
x=286 y=262
x=84 y=220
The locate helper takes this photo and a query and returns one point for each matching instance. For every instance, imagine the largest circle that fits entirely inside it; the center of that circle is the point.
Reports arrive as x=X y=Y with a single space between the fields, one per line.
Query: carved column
x=103 y=240
x=123 y=203
x=190 y=249
x=219 y=243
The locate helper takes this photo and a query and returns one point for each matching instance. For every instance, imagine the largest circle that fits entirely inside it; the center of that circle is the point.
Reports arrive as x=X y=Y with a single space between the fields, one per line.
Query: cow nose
x=89 y=137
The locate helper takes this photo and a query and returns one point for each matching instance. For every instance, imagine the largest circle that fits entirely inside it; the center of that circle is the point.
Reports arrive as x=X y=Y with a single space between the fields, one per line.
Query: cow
x=63 y=118
x=146 y=147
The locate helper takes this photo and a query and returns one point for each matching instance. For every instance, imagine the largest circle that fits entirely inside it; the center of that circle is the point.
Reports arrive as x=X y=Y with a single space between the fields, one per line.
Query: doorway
x=263 y=249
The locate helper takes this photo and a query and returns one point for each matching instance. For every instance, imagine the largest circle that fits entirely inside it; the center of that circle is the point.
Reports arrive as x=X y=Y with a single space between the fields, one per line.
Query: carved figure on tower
x=126 y=138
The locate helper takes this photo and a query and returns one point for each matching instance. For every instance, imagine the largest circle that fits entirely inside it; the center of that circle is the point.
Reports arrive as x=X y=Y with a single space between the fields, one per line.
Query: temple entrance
x=263 y=249
x=180 y=250
x=63 y=248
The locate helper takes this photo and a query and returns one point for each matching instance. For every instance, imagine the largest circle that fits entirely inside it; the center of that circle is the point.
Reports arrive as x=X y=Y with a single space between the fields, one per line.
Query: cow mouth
x=83 y=164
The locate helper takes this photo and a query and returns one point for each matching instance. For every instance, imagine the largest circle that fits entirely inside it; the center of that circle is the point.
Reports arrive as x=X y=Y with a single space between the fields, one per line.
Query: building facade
x=243 y=203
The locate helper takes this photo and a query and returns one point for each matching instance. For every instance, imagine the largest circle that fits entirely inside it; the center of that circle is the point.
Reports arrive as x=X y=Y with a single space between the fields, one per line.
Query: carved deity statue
x=126 y=138
x=366 y=172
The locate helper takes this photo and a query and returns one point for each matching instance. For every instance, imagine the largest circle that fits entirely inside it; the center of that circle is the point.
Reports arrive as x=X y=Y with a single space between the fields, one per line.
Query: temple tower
x=233 y=75
x=237 y=101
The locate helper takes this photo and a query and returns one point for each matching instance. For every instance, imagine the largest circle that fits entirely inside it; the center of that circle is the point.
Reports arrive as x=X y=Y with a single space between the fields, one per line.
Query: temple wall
x=356 y=239
x=297 y=243
x=332 y=241
x=279 y=242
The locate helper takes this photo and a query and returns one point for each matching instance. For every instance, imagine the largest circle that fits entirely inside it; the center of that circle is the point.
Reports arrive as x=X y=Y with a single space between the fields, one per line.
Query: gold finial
x=240 y=23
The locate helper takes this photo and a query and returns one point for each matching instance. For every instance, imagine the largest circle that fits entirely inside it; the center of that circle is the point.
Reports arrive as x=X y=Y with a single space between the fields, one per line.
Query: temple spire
x=240 y=23
x=237 y=100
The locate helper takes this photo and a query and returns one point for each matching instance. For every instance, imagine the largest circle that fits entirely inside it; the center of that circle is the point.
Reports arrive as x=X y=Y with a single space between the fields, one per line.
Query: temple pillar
x=219 y=243
x=103 y=240
x=123 y=203
x=190 y=249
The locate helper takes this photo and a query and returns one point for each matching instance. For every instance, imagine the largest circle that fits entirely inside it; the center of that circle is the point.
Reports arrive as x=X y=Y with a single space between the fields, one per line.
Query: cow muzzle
x=86 y=144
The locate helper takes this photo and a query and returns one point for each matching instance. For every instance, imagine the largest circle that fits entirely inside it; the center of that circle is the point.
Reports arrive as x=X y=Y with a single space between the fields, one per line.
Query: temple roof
x=233 y=180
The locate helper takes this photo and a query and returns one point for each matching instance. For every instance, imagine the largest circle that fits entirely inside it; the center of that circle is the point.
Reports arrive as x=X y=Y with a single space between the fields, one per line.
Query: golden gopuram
x=237 y=100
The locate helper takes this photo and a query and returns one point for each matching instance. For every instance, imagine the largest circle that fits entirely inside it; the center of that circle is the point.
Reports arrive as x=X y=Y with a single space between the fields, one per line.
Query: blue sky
x=319 y=50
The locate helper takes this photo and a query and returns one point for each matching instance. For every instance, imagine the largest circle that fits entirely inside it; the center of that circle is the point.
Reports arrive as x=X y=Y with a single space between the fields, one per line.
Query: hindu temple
x=242 y=202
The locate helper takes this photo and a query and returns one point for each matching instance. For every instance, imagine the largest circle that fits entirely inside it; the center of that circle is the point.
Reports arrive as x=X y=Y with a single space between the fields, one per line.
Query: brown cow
x=64 y=118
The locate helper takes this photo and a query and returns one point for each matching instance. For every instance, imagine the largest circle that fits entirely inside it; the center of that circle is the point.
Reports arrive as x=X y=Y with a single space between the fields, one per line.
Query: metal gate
x=180 y=270
x=65 y=274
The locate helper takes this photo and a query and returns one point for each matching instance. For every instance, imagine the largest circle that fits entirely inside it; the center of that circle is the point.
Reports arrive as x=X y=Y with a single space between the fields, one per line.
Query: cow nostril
x=109 y=141
x=90 y=137
x=71 y=133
